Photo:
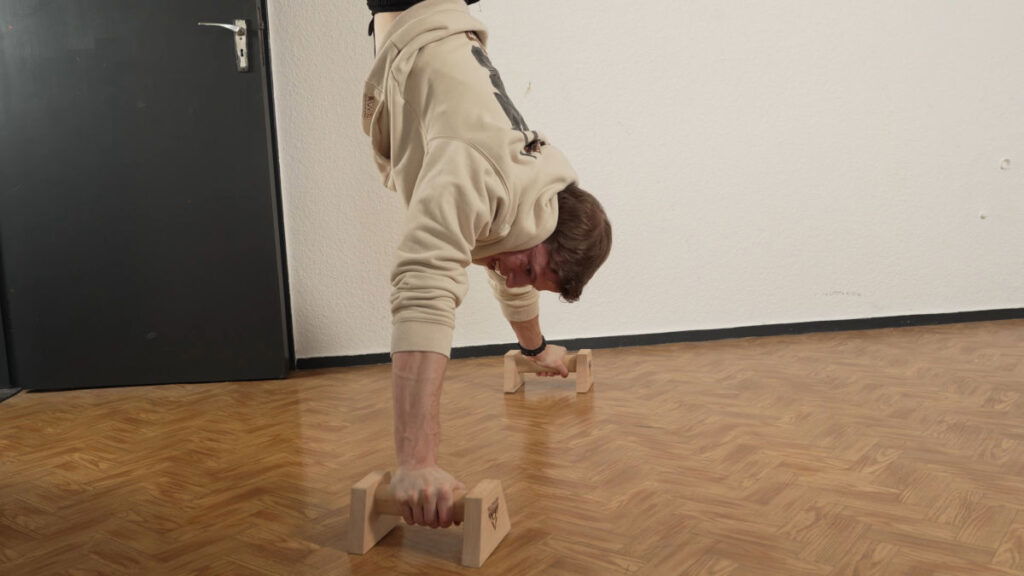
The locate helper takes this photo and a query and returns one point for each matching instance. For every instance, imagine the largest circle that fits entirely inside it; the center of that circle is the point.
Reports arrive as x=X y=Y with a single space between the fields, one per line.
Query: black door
x=139 y=217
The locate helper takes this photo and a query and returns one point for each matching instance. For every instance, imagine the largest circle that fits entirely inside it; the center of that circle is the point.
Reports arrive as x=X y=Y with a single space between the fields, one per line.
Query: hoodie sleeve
x=451 y=207
x=517 y=304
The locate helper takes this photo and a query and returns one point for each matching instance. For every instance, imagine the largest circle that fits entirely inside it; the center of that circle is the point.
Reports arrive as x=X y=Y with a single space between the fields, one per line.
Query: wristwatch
x=536 y=351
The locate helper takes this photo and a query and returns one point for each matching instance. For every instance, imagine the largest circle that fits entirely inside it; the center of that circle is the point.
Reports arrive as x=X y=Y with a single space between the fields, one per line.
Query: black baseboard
x=697 y=335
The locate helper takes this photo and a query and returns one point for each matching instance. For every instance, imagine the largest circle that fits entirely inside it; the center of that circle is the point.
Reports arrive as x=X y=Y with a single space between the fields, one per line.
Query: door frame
x=5 y=369
x=275 y=161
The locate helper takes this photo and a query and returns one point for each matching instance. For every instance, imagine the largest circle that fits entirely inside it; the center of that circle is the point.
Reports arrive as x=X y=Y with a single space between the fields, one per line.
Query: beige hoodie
x=475 y=179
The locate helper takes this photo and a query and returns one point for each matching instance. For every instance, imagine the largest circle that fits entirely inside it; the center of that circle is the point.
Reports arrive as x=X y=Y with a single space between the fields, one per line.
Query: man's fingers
x=563 y=372
x=460 y=488
x=444 y=509
x=429 y=500
x=419 y=494
x=407 y=514
x=417 y=510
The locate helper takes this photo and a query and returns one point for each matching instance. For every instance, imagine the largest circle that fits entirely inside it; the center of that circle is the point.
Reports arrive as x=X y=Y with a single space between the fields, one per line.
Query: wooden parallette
x=482 y=511
x=581 y=363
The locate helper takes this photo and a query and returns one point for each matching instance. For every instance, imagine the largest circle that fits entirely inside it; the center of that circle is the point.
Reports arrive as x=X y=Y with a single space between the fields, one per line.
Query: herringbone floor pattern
x=888 y=452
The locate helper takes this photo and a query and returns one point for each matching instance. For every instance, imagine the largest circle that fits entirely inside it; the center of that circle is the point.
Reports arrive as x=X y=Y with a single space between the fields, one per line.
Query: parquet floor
x=888 y=452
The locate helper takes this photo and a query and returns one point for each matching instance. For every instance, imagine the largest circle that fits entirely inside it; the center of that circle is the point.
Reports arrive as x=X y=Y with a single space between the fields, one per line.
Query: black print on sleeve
x=532 y=140
x=518 y=123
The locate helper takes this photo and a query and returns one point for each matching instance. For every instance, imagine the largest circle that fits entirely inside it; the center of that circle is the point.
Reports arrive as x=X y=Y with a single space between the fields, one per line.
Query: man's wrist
x=531 y=352
x=417 y=463
x=417 y=453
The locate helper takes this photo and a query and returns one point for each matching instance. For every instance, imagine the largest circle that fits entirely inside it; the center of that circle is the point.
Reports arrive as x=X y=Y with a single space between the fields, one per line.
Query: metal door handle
x=231 y=27
x=240 y=30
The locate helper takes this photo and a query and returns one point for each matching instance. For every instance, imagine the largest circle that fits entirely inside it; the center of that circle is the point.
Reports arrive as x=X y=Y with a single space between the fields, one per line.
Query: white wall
x=762 y=162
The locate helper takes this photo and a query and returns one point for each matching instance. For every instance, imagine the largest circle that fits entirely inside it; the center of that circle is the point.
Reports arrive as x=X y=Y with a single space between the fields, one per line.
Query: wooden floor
x=888 y=452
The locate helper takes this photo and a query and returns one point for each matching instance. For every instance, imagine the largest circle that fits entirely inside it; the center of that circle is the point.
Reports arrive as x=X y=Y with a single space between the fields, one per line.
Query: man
x=480 y=187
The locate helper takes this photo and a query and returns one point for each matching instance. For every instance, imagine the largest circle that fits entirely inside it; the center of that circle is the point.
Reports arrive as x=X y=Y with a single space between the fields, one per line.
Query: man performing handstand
x=480 y=188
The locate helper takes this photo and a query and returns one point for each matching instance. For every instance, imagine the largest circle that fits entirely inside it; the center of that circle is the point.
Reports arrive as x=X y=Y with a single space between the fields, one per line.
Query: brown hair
x=581 y=241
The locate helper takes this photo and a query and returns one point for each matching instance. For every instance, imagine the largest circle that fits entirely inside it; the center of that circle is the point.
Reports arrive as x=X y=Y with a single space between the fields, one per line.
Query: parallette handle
x=525 y=366
x=384 y=503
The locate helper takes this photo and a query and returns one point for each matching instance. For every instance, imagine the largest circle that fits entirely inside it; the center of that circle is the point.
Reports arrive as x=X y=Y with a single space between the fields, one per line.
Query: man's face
x=524 y=268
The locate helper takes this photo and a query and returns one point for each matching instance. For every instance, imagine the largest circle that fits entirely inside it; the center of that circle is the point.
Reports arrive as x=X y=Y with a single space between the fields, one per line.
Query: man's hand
x=551 y=362
x=426 y=495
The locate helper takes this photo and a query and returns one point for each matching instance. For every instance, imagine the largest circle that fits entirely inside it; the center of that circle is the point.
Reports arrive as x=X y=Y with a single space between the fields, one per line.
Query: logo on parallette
x=492 y=513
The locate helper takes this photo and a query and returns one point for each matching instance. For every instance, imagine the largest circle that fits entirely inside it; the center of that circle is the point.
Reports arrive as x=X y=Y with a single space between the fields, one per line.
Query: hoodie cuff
x=421 y=337
x=522 y=310
x=517 y=304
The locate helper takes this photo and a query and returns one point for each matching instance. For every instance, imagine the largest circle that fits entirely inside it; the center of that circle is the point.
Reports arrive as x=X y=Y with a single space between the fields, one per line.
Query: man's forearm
x=417 y=380
x=528 y=332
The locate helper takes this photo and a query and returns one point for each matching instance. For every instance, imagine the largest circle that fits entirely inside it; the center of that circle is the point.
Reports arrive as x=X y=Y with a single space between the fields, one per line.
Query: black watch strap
x=536 y=351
